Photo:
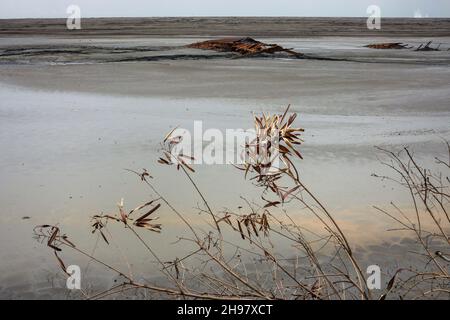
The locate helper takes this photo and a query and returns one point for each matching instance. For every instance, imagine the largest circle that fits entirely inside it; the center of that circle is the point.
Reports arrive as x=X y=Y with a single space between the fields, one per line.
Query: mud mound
x=243 y=46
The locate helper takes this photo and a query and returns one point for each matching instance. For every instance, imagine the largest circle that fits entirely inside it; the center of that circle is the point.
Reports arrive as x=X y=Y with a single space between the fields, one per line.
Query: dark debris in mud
x=428 y=47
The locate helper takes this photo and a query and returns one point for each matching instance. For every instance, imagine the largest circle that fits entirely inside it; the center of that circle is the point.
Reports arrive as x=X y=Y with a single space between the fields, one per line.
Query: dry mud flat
x=38 y=50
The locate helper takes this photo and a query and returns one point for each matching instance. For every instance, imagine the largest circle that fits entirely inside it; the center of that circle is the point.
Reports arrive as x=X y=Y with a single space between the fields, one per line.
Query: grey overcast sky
x=152 y=8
